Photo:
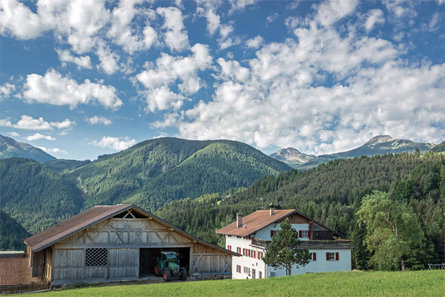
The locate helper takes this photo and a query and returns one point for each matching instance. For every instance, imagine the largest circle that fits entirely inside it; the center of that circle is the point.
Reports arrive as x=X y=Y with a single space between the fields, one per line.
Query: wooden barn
x=118 y=243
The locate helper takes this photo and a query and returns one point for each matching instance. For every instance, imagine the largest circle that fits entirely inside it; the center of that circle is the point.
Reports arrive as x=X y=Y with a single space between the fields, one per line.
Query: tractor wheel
x=183 y=276
x=157 y=272
x=167 y=275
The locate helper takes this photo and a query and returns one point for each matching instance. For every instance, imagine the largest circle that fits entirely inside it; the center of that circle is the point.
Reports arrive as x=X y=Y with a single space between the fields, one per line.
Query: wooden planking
x=298 y=219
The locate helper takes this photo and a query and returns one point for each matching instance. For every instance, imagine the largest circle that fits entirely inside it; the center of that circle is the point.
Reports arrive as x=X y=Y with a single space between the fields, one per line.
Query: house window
x=314 y=256
x=96 y=257
x=271 y=274
x=332 y=256
x=272 y=233
x=229 y=247
x=303 y=234
x=260 y=274
x=238 y=268
x=247 y=270
x=238 y=250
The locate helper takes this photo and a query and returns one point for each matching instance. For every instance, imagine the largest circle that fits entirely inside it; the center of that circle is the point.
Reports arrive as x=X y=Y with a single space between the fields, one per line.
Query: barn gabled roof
x=262 y=218
x=94 y=216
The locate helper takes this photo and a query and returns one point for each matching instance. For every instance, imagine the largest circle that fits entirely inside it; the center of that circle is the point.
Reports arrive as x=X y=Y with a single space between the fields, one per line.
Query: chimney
x=239 y=220
x=271 y=209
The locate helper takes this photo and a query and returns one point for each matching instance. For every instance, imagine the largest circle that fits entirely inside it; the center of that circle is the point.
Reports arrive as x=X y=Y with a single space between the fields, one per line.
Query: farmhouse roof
x=93 y=216
x=262 y=218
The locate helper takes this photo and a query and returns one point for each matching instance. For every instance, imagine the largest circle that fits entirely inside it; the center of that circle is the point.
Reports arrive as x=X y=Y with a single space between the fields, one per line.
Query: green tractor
x=167 y=266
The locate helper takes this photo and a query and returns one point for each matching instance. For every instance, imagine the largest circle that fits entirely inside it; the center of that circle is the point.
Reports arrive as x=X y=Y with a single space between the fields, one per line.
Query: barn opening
x=147 y=259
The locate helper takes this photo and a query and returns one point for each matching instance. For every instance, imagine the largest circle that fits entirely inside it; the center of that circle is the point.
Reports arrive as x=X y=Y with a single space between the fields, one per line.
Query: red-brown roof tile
x=74 y=224
x=255 y=221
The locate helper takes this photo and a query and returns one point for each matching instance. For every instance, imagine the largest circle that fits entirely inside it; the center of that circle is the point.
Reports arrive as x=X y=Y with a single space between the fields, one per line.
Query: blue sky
x=84 y=78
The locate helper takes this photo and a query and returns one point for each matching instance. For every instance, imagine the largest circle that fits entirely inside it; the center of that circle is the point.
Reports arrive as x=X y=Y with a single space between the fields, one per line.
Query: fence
x=436 y=266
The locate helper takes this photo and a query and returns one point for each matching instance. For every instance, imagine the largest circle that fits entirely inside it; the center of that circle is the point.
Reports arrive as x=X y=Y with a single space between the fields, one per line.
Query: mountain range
x=148 y=174
x=379 y=145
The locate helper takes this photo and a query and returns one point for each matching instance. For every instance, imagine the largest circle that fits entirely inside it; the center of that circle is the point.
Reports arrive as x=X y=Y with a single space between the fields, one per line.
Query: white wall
x=321 y=264
x=243 y=261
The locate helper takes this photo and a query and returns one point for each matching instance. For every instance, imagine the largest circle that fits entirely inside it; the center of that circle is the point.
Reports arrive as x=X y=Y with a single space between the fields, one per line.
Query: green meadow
x=354 y=283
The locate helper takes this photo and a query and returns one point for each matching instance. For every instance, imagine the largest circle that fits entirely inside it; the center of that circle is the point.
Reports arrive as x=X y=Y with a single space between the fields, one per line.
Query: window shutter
x=309 y=233
x=271 y=233
x=327 y=256
x=300 y=233
x=314 y=256
x=336 y=256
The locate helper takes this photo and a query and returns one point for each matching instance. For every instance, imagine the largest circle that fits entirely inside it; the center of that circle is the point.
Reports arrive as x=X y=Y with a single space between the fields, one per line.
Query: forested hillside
x=11 y=233
x=147 y=174
x=154 y=172
x=331 y=194
x=36 y=196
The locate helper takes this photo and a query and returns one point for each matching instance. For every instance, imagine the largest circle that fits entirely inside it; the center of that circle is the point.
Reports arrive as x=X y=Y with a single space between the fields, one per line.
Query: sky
x=79 y=79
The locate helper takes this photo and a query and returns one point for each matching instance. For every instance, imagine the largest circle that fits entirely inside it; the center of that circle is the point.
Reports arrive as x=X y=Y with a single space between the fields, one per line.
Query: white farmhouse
x=250 y=235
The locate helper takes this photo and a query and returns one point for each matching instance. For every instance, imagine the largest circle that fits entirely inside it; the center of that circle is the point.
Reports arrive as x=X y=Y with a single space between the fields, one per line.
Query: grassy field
x=410 y=283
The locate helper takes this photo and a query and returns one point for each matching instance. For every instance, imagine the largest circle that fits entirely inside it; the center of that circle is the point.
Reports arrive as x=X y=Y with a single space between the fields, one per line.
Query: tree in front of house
x=393 y=232
x=284 y=250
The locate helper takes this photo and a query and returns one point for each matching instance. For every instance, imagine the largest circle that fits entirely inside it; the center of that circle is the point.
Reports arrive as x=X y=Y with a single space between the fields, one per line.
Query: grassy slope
x=410 y=283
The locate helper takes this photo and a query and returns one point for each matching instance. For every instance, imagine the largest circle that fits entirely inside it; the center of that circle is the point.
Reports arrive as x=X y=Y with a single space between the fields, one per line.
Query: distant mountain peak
x=379 y=139
x=10 y=148
x=291 y=155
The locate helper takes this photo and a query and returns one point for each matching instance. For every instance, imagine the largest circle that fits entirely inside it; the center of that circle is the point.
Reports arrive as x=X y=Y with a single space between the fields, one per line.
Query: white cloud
x=95 y=120
x=38 y=136
x=108 y=59
x=6 y=89
x=13 y=134
x=29 y=123
x=115 y=143
x=254 y=42
x=168 y=70
x=175 y=36
x=18 y=20
x=374 y=17
x=53 y=150
x=213 y=21
x=239 y=4
x=283 y=97
x=82 y=61
x=122 y=32
x=53 y=88
x=162 y=98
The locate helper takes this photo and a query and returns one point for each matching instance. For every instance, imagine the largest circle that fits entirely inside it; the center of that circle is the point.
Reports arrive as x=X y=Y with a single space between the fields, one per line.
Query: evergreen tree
x=284 y=250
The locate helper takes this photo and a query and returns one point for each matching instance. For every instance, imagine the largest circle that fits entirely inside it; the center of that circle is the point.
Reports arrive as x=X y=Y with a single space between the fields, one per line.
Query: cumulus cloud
x=122 y=32
x=29 y=123
x=53 y=88
x=374 y=17
x=6 y=89
x=254 y=42
x=108 y=59
x=96 y=120
x=66 y=57
x=284 y=96
x=18 y=20
x=167 y=70
x=38 y=136
x=175 y=35
x=239 y=4
x=115 y=143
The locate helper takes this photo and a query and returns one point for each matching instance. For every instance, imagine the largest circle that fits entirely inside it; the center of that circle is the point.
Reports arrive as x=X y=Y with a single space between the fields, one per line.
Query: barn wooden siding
x=123 y=238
